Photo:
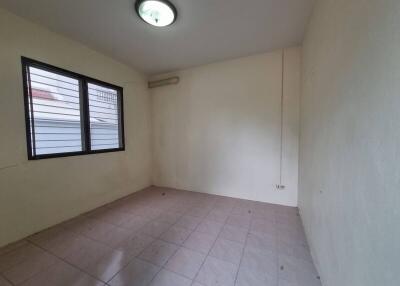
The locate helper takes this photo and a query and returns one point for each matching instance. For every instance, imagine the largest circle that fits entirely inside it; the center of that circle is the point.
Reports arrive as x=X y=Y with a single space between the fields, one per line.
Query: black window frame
x=84 y=81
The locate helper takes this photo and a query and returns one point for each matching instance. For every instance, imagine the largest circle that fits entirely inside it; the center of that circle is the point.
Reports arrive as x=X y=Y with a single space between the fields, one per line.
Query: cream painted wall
x=349 y=193
x=218 y=130
x=38 y=194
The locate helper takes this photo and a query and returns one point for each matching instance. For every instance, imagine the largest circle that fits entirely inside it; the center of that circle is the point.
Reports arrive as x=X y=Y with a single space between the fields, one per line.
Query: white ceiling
x=205 y=31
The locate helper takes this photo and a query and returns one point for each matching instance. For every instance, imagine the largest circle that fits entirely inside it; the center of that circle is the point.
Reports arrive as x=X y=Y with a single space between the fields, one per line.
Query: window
x=70 y=114
x=104 y=117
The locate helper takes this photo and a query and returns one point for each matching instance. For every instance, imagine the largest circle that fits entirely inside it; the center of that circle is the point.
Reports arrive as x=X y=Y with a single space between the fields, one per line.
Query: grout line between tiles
x=113 y=249
x=169 y=207
x=158 y=238
x=182 y=246
x=208 y=254
x=63 y=260
x=163 y=266
x=5 y=278
x=241 y=257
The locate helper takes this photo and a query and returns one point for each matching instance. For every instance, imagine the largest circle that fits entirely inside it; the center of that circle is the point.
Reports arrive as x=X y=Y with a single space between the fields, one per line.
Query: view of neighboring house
x=57 y=114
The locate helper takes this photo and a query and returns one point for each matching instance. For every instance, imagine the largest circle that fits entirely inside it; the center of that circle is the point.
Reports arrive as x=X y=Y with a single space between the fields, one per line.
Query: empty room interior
x=199 y=143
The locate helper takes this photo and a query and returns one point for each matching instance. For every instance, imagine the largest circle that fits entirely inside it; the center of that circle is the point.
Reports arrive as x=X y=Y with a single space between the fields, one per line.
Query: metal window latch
x=280 y=187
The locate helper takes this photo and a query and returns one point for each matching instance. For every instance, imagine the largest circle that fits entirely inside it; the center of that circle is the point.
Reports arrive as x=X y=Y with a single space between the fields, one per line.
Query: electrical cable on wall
x=280 y=186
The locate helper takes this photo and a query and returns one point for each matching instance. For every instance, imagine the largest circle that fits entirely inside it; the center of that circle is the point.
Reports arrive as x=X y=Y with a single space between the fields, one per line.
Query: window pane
x=104 y=109
x=55 y=104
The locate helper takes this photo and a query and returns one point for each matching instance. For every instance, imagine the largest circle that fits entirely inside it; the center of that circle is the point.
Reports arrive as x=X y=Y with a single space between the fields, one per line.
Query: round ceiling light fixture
x=159 y=13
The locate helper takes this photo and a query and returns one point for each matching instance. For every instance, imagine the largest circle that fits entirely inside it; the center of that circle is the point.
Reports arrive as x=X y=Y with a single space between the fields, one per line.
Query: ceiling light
x=159 y=13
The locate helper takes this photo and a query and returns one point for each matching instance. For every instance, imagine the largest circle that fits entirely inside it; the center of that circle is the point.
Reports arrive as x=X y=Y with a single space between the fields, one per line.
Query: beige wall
x=37 y=194
x=218 y=130
x=349 y=193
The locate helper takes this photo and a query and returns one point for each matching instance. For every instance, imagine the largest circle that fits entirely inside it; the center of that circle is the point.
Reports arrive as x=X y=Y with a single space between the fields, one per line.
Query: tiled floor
x=164 y=237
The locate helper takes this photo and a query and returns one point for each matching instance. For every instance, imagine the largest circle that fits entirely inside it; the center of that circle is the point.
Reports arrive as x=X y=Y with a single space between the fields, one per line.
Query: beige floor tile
x=186 y=262
x=218 y=216
x=263 y=226
x=210 y=227
x=158 y=252
x=135 y=244
x=262 y=241
x=197 y=284
x=167 y=278
x=4 y=282
x=155 y=228
x=97 y=229
x=261 y=261
x=62 y=243
x=78 y=224
x=12 y=246
x=199 y=212
x=62 y=274
x=201 y=242
x=294 y=270
x=189 y=222
x=17 y=256
x=236 y=234
x=239 y=221
x=134 y=222
x=227 y=250
x=136 y=273
x=115 y=237
x=126 y=243
x=176 y=235
x=90 y=253
x=216 y=272
x=170 y=217
x=29 y=267
x=48 y=234
x=251 y=277
x=109 y=265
